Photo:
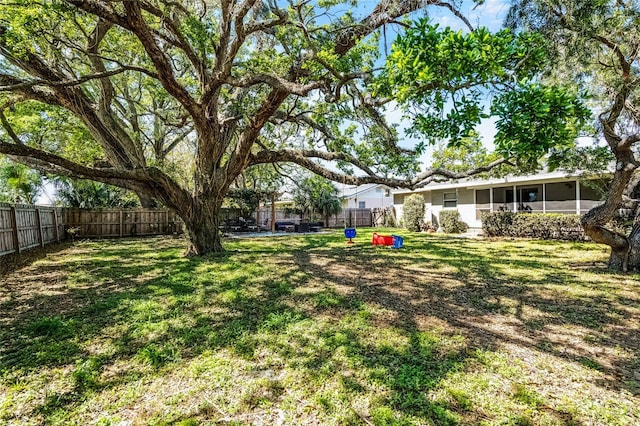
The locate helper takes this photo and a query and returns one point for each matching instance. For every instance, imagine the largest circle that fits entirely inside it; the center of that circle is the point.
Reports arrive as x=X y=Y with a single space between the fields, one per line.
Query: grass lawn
x=305 y=330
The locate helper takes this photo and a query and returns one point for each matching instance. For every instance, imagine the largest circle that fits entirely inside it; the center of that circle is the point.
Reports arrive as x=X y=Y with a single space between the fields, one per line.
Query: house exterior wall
x=556 y=195
x=464 y=204
x=373 y=198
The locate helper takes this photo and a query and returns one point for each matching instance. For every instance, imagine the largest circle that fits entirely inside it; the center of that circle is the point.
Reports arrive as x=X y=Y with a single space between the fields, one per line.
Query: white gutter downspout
x=577 y=196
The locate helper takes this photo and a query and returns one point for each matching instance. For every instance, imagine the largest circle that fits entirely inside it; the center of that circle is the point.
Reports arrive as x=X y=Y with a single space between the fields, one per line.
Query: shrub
x=413 y=212
x=428 y=226
x=496 y=224
x=544 y=226
x=451 y=222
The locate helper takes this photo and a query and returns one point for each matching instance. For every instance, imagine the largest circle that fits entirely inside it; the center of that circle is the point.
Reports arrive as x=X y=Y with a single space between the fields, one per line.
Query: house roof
x=351 y=191
x=487 y=183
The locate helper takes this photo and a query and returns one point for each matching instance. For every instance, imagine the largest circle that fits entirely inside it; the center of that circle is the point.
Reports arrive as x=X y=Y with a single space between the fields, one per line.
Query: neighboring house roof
x=479 y=183
x=353 y=191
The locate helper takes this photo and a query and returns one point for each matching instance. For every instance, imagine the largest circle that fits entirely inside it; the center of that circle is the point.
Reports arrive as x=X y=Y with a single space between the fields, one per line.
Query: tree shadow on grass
x=473 y=295
x=151 y=316
x=152 y=308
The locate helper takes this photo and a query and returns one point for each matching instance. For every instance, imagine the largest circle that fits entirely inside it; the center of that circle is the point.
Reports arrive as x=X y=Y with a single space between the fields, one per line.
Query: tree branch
x=276 y=82
x=9 y=129
x=384 y=13
x=70 y=83
x=69 y=167
x=303 y=158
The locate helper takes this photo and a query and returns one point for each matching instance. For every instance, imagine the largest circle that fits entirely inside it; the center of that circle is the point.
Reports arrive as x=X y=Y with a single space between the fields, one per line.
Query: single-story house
x=553 y=192
x=369 y=196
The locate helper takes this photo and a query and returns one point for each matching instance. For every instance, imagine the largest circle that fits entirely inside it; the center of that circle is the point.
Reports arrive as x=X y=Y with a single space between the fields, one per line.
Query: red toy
x=382 y=240
x=395 y=241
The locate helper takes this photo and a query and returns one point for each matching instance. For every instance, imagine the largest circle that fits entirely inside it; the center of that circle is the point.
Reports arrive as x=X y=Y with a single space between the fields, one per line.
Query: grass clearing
x=304 y=330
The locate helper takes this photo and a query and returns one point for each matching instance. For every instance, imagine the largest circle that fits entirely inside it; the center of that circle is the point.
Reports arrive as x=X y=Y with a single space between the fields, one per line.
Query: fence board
x=23 y=227
x=111 y=223
x=347 y=217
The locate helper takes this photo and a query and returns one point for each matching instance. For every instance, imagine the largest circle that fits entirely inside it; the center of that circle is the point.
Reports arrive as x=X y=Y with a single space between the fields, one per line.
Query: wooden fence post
x=14 y=225
x=39 y=226
x=121 y=222
x=55 y=224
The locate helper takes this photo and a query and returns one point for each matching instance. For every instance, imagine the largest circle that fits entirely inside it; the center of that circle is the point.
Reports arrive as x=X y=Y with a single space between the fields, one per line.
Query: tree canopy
x=176 y=100
x=595 y=46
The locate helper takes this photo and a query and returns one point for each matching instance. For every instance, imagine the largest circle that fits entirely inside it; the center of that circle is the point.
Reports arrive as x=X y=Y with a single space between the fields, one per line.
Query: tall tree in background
x=87 y=194
x=596 y=45
x=315 y=193
x=18 y=183
x=469 y=154
x=178 y=99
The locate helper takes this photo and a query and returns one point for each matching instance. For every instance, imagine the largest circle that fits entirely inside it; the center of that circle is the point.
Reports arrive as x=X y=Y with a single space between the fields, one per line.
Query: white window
x=362 y=204
x=449 y=199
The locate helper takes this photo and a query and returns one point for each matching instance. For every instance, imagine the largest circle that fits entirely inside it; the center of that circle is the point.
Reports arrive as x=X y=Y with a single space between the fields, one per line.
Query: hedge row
x=533 y=225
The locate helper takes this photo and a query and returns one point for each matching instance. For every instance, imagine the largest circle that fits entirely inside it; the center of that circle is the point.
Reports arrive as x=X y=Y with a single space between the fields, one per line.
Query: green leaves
x=18 y=183
x=448 y=82
x=533 y=119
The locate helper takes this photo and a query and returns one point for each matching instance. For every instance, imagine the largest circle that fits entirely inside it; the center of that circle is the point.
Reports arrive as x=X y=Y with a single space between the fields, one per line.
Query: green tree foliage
x=442 y=77
x=176 y=100
x=316 y=194
x=413 y=212
x=469 y=154
x=19 y=183
x=87 y=194
x=247 y=200
x=595 y=47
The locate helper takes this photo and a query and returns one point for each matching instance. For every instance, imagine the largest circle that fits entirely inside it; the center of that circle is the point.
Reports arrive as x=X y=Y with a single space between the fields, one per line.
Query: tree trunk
x=273 y=213
x=633 y=256
x=202 y=222
x=620 y=244
x=147 y=201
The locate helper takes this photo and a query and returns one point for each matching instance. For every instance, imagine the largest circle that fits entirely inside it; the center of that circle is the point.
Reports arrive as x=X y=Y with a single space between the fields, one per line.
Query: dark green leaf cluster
x=451 y=222
x=533 y=119
x=318 y=194
x=18 y=183
x=544 y=226
x=87 y=194
x=247 y=200
x=444 y=79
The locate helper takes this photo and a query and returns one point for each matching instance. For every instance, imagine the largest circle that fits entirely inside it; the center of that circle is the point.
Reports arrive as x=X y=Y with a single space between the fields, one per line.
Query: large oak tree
x=177 y=99
x=596 y=45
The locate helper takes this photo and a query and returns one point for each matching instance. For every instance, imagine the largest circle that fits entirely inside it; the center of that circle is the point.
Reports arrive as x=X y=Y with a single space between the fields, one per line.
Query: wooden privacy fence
x=121 y=222
x=23 y=227
x=347 y=217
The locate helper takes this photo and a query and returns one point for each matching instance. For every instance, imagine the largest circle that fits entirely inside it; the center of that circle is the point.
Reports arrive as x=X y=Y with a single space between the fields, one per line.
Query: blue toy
x=350 y=233
x=397 y=241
